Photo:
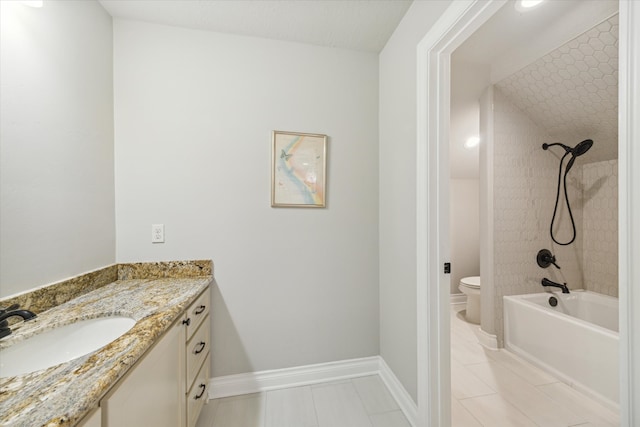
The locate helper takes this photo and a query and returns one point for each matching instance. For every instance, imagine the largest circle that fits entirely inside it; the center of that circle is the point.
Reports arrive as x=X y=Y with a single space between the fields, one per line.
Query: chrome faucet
x=547 y=282
x=12 y=311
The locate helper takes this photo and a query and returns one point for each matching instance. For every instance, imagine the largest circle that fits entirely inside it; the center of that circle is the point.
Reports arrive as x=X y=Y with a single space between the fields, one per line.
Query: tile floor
x=360 y=402
x=489 y=388
x=497 y=388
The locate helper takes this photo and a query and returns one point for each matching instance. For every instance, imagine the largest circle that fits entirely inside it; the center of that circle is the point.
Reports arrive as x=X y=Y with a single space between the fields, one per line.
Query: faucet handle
x=10 y=308
x=545 y=258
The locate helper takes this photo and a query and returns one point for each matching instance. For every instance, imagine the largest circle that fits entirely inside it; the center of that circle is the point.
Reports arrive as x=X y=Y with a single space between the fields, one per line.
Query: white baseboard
x=458 y=298
x=399 y=393
x=254 y=382
x=487 y=340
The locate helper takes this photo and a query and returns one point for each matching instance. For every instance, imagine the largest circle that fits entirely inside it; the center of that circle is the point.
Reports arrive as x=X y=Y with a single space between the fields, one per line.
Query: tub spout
x=547 y=282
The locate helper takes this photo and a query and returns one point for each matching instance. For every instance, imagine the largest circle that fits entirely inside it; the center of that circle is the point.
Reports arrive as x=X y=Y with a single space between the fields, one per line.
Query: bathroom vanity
x=169 y=384
x=155 y=374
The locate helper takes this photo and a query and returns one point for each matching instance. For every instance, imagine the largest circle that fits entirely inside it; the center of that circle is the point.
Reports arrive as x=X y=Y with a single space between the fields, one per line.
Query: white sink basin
x=61 y=344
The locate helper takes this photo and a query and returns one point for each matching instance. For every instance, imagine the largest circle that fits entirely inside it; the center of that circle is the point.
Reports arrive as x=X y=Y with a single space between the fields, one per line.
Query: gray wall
x=56 y=145
x=398 y=339
x=194 y=115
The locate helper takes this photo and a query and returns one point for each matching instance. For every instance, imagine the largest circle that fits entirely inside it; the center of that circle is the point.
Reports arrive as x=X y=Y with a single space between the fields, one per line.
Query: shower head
x=578 y=150
x=582 y=148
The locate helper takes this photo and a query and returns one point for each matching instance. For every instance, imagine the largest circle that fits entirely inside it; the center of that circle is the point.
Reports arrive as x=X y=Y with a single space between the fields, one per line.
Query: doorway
x=460 y=21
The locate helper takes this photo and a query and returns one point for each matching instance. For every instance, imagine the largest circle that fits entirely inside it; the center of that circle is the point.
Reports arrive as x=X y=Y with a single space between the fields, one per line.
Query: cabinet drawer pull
x=202 y=345
x=203 y=387
x=200 y=309
x=187 y=322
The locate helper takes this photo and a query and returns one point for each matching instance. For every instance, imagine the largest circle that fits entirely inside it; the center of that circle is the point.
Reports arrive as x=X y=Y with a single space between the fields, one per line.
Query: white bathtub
x=577 y=341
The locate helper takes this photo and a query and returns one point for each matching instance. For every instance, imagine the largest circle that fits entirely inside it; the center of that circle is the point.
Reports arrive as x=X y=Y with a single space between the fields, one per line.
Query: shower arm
x=566 y=147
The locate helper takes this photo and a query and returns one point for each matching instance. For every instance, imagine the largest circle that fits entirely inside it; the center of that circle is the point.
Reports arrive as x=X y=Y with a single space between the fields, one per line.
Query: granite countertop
x=64 y=394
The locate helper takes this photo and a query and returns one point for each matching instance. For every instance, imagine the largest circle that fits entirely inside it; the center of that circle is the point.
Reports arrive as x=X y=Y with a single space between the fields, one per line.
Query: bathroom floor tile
x=465 y=384
x=461 y=417
x=389 y=419
x=374 y=395
x=357 y=402
x=575 y=401
x=338 y=405
x=467 y=352
x=241 y=411
x=495 y=410
x=291 y=407
x=524 y=396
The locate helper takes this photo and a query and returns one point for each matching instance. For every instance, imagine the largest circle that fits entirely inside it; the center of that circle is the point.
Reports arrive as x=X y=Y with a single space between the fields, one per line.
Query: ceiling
x=363 y=25
x=512 y=39
x=508 y=49
x=573 y=91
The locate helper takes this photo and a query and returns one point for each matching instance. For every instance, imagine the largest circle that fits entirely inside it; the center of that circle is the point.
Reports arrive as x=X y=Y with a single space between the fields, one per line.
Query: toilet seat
x=472 y=282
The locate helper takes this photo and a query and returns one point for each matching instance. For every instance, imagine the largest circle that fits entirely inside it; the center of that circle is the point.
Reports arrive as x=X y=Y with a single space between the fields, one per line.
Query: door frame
x=458 y=22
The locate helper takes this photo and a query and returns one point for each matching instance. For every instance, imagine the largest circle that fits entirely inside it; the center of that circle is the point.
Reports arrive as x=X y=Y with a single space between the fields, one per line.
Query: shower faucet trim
x=545 y=258
x=547 y=282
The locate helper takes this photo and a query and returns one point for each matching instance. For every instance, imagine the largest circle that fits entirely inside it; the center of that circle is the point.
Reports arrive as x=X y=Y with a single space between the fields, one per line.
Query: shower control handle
x=545 y=258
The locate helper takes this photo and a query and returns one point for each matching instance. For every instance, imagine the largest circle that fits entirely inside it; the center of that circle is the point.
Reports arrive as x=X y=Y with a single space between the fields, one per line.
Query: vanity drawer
x=197 y=350
x=196 y=312
x=198 y=394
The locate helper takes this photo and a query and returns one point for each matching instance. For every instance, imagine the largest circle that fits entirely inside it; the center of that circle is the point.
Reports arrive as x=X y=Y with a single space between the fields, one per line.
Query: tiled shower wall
x=566 y=96
x=525 y=178
x=600 y=227
x=525 y=183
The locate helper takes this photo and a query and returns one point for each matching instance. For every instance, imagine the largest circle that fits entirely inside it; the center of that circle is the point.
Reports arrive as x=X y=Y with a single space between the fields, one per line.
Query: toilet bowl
x=470 y=286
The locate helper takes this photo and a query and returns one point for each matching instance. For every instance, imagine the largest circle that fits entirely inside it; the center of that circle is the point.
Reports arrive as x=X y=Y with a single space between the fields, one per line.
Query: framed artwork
x=298 y=169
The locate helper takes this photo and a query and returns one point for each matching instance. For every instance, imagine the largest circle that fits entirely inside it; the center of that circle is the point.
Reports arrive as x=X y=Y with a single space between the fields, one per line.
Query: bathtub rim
x=521 y=299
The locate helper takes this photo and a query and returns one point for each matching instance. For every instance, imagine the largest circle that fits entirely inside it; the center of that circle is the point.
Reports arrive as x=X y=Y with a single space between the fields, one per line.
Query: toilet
x=470 y=286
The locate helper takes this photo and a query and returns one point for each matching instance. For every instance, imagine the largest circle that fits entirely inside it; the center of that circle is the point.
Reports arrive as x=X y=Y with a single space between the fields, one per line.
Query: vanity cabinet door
x=152 y=392
x=94 y=419
x=197 y=396
x=197 y=312
x=197 y=349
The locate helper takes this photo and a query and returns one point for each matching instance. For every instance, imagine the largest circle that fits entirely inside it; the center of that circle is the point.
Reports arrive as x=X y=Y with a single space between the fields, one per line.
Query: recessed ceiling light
x=471 y=142
x=526 y=5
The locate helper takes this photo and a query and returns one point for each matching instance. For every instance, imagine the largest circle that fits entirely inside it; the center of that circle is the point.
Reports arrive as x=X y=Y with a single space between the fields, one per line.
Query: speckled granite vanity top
x=154 y=294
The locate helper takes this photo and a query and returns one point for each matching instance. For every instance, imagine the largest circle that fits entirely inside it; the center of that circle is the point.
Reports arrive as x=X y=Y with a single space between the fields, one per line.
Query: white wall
x=398 y=345
x=56 y=143
x=465 y=230
x=194 y=112
x=468 y=81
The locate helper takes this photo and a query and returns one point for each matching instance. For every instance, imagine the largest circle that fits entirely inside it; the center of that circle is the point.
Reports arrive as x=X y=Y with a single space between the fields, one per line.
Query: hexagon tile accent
x=572 y=92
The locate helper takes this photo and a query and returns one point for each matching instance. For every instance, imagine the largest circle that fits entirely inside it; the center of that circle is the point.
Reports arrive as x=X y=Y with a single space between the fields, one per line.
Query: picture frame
x=298 y=169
